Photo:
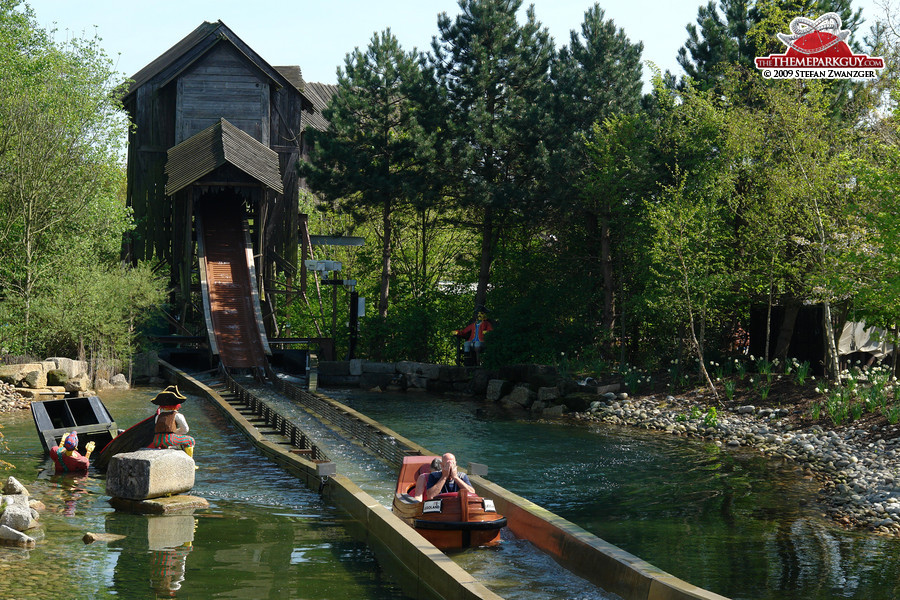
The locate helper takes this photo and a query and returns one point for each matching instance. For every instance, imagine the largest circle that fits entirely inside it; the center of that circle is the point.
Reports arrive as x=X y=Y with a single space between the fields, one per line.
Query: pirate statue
x=474 y=333
x=67 y=459
x=171 y=427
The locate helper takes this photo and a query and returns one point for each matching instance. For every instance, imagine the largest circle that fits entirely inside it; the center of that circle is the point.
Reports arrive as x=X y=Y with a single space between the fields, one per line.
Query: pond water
x=732 y=522
x=265 y=534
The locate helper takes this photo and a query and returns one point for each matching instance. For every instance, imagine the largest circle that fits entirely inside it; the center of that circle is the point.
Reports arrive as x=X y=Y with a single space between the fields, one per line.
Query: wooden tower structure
x=216 y=129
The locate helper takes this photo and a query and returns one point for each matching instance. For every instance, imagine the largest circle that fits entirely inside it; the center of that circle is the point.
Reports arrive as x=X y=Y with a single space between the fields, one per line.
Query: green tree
x=735 y=32
x=60 y=145
x=375 y=154
x=719 y=38
x=689 y=218
x=597 y=77
x=494 y=74
x=612 y=189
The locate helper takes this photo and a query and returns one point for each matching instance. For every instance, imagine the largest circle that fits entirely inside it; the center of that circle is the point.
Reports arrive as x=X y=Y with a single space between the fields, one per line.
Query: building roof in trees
x=194 y=45
x=215 y=146
x=319 y=94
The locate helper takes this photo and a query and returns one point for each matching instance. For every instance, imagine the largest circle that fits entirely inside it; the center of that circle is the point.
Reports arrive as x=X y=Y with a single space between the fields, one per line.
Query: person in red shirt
x=67 y=459
x=474 y=333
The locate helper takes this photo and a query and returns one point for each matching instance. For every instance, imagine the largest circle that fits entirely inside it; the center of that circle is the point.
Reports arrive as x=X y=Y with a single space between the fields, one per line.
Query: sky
x=318 y=34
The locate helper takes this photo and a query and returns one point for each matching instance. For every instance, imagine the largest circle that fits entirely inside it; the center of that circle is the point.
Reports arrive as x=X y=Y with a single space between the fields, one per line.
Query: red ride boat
x=449 y=521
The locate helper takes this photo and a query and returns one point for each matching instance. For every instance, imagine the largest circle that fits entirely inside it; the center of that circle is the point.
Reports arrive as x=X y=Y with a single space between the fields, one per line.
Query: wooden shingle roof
x=215 y=146
x=318 y=94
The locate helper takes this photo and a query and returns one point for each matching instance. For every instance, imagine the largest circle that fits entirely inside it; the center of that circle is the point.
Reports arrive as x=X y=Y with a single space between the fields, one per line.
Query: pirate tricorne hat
x=169 y=397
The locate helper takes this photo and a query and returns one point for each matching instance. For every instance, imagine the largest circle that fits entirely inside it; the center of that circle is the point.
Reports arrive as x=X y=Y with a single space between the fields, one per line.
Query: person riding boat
x=422 y=480
x=447 y=480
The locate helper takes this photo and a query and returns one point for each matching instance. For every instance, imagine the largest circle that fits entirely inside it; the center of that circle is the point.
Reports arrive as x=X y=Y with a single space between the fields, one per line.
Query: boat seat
x=423 y=470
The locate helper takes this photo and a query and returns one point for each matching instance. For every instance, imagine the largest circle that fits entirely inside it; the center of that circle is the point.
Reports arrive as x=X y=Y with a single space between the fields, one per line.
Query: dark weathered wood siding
x=208 y=75
x=223 y=84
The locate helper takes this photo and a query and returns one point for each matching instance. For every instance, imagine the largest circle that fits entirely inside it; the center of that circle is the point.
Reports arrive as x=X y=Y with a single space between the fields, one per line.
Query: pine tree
x=375 y=154
x=495 y=76
x=598 y=78
x=737 y=31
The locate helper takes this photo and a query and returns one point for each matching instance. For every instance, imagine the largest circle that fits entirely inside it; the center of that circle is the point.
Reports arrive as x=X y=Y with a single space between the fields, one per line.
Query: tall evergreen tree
x=597 y=77
x=495 y=75
x=718 y=38
x=375 y=153
x=598 y=74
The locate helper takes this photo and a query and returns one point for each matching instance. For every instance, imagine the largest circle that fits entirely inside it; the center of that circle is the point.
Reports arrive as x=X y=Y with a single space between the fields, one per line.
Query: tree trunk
x=606 y=266
x=384 y=292
x=487 y=257
x=833 y=360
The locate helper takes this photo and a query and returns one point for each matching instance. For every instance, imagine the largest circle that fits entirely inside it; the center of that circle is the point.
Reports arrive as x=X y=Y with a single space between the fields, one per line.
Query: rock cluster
x=54 y=377
x=17 y=514
x=860 y=472
x=10 y=399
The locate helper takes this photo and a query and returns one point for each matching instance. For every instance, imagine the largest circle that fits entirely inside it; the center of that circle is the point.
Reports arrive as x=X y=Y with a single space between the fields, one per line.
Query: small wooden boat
x=449 y=521
x=53 y=419
x=134 y=438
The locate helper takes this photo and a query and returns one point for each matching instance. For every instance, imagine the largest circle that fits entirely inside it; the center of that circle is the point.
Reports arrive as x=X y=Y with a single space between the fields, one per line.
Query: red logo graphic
x=818 y=50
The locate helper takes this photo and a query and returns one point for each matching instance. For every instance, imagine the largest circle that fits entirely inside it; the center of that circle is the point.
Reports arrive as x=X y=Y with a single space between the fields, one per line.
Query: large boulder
x=149 y=474
x=70 y=366
x=497 y=389
x=521 y=396
x=14 y=486
x=57 y=377
x=36 y=379
x=119 y=381
x=12 y=537
x=15 y=374
x=78 y=384
x=17 y=513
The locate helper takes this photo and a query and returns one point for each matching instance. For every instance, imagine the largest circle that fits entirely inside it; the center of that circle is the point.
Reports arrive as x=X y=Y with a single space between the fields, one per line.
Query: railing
x=275 y=420
x=357 y=425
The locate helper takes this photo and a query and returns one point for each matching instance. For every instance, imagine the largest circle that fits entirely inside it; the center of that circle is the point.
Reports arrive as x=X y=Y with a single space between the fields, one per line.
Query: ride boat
x=449 y=521
x=134 y=438
x=87 y=415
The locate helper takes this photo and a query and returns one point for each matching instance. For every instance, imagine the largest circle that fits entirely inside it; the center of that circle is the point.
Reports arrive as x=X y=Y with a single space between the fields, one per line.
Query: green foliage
x=376 y=155
x=495 y=75
x=729 y=386
x=62 y=212
x=711 y=418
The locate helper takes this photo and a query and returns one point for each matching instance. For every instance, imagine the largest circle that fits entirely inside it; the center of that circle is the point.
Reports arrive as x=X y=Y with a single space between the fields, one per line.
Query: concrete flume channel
x=425 y=571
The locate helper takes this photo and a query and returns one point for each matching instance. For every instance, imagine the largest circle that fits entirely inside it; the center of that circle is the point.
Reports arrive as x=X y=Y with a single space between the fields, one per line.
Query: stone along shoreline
x=859 y=469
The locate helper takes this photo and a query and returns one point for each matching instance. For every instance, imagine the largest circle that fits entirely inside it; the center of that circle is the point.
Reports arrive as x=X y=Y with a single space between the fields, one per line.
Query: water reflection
x=154 y=548
x=246 y=544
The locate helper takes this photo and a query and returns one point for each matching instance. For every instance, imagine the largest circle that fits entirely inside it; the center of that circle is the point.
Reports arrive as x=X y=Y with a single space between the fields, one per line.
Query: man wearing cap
x=67 y=459
x=171 y=427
